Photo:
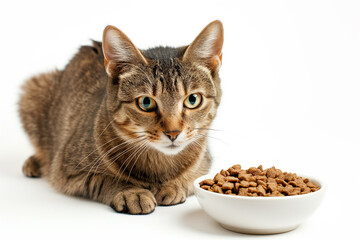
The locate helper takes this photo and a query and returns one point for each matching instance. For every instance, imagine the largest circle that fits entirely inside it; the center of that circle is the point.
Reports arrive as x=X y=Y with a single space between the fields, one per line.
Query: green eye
x=146 y=104
x=193 y=101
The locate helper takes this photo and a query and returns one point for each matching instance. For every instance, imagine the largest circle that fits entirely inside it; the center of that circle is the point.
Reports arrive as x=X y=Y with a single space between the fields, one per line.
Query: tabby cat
x=123 y=126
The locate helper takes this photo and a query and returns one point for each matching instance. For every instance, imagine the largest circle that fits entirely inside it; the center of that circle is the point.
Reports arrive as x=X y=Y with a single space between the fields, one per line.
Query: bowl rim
x=281 y=198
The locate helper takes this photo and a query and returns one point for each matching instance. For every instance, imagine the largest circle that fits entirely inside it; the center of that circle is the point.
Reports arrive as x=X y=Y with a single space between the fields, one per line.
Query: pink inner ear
x=207 y=46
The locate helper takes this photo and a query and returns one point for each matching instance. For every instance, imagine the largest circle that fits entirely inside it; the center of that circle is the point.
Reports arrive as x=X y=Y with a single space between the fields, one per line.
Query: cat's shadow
x=198 y=220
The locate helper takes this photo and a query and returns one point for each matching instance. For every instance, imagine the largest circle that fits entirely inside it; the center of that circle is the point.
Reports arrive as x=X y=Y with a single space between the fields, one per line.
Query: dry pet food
x=271 y=182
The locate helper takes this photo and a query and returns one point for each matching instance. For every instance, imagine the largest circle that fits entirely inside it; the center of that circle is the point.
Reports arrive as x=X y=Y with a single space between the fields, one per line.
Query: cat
x=123 y=126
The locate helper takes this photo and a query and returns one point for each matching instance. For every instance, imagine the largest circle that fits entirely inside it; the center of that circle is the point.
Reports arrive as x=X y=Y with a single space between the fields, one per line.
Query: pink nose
x=172 y=135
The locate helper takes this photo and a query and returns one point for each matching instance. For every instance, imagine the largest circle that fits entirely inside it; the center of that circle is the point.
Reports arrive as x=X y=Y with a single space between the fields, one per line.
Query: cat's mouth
x=173 y=146
x=169 y=149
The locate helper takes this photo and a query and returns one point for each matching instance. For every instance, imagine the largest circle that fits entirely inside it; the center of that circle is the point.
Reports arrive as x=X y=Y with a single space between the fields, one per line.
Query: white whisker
x=140 y=153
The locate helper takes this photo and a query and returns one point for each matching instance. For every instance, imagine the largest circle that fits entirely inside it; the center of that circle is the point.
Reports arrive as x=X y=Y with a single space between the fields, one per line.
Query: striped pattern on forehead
x=168 y=77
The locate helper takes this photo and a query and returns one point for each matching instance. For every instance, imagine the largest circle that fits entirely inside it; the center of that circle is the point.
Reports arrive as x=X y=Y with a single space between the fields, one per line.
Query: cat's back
x=52 y=102
x=85 y=72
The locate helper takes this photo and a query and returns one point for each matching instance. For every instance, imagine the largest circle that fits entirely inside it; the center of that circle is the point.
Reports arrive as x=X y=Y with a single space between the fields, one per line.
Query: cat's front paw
x=134 y=201
x=170 y=195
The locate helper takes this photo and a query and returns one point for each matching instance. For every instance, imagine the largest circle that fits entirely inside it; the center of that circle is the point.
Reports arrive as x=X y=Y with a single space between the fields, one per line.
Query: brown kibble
x=296 y=191
x=262 y=183
x=237 y=166
x=282 y=182
x=231 y=179
x=257 y=182
x=218 y=189
x=222 y=172
x=299 y=181
x=293 y=183
x=314 y=189
x=271 y=172
x=287 y=190
x=252 y=190
x=252 y=194
x=206 y=187
x=218 y=177
x=278 y=172
x=262 y=178
x=244 y=184
x=254 y=171
x=220 y=183
x=311 y=185
x=237 y=186
x=233 y=172
x=289 y=177
x=280 y=187
x=253 y=184
x=276 y=194
x=209 y=182
x=260 y=190
x=243 y=191
x=242 y=171
x=305 y=190
x=281 y=176
x=246 y=177
x=227 y=186
x=272 y=186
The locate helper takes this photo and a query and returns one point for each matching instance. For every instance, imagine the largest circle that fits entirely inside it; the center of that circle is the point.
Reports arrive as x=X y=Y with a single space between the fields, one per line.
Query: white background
x=291 y=84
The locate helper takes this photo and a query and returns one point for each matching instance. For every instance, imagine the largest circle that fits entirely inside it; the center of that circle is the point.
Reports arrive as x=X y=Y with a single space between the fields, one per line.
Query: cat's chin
x=170 y=149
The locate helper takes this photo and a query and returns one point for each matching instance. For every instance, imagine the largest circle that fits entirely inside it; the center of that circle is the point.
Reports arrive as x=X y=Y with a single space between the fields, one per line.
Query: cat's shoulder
x=88 y=57
x=93 y=51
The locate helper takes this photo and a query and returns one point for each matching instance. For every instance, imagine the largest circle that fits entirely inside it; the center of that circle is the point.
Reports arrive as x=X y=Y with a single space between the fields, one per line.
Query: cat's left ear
x=207 y=47
x=118 y=49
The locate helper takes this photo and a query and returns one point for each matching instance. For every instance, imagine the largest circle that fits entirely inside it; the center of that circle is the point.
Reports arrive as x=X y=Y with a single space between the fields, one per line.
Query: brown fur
x=84 y=124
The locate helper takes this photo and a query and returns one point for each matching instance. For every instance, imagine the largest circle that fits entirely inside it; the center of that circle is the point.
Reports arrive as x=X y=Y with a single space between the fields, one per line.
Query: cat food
x=256 y=182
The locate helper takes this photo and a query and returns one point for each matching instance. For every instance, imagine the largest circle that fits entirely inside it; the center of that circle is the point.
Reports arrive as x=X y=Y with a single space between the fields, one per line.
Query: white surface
x=291 y=84
x=259 y=215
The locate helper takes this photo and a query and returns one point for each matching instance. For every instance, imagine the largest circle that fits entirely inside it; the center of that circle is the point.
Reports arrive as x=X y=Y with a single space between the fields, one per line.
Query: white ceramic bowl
x=259 y=215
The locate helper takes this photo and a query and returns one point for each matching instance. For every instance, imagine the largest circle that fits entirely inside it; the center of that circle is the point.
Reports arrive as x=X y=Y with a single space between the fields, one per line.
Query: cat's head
x=163 y=97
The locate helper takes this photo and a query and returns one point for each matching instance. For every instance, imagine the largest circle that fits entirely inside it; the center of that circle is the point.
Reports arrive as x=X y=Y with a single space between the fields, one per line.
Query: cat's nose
x=172 y=135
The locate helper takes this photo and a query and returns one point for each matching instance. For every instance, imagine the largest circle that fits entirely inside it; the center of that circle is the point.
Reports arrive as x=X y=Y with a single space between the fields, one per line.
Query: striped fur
x=92 y=140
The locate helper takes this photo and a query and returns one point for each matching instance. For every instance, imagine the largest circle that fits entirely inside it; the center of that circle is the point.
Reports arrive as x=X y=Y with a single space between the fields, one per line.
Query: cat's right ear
x=207 y=47
x=118 y=49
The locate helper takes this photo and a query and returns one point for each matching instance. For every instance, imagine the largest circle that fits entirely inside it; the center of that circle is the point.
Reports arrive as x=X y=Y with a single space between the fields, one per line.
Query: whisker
x=132 y=133
x=140 y=153
x=101 y=157
x=197 y=143
x=95 y=151
x=105 y=128
x=214 y=138
x=211 y=129
x=114 y=159
x=129 y=157
x=95 y=162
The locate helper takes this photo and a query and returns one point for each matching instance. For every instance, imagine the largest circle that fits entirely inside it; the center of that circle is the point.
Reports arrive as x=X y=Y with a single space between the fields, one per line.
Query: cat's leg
x=122 y=197
x=134 y=200
x=35 y=166
x=175 y=191
x=31 y=167
x=171 y=193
